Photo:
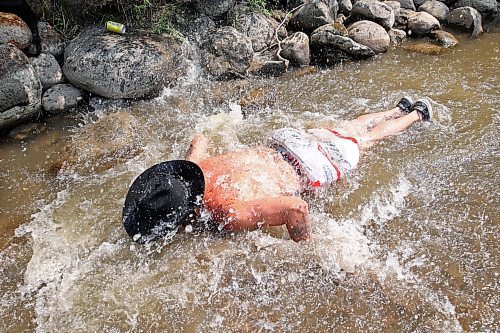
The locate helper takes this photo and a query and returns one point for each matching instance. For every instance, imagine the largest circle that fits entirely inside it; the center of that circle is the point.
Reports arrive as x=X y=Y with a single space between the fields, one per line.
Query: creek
x=409 y=243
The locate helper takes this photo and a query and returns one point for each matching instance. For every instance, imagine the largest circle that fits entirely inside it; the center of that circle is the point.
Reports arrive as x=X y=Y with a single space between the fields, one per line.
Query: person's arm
x=251 y=215
x=198 y=148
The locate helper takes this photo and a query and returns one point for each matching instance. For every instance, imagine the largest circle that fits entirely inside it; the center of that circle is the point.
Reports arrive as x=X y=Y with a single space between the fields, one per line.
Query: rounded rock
x=370 y=34
x=436 y=8
x=60 y=98
x=466 y=18
x=422 y=23
x=122 y=66
x=13 y=30
x=48 y=70
x=296 y=49
x=375 y=11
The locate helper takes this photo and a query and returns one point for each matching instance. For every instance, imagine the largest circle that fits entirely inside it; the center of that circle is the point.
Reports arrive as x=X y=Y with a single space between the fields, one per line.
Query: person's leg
x=390 y=127
x=372 y=119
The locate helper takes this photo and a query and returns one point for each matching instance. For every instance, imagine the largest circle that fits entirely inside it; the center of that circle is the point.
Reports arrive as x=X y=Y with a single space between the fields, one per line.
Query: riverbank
x=229 y=40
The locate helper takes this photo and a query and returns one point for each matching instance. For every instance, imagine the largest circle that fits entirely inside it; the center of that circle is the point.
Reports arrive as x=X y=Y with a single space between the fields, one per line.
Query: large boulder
x=122 y=66
x=295 y=48
x=375 y=11
x=214 y=8
x=370 y=34
x=422 y=23
x=61 y=98
x=485 y=7
x=13 y=30
x=259 y=28
x=329 y=47
x=20 y=88
x=47 y=69
x=227 y=53
x=436 y=8
x=311 y=16
x=99 y=146
x=466 y=18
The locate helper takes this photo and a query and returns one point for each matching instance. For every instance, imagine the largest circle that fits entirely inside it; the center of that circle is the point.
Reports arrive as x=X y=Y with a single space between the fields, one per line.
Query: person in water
x=259 y=186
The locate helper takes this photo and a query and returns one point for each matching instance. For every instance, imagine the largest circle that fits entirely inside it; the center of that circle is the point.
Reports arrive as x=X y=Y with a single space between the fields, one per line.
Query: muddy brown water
x=409 y=243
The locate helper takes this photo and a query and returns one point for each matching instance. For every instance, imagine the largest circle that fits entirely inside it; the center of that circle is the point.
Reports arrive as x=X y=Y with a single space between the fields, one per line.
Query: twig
x=276 y=36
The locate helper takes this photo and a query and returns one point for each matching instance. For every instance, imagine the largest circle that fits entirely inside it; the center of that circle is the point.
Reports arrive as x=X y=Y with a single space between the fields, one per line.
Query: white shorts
x=320 y=156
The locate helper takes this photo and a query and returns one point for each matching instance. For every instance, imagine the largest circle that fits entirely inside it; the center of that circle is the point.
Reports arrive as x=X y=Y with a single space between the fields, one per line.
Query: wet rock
x=422 y=23
x=20 y=88
x=296 y=49
x=227 y=53
x=267 y=65
x=444 y=38
x=199 y=29
x=396 y=36
x=395 y=5
x=13 y=30
x=312 y=15
x=122 y=66
x=376 y=11
x=407 y=4
x=436 y=8
x=345 y=7
x=47 y=69
x=370 y=34
x=487 y=8
x=109 y=141
x=328 y=47
x=60 y=98
x=466 y=18
x=52 y=41
x=214 y=8
x=424 y=48
x=259 y=28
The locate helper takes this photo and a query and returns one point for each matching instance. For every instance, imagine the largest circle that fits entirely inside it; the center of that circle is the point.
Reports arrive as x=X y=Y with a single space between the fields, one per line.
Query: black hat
x=162 y=198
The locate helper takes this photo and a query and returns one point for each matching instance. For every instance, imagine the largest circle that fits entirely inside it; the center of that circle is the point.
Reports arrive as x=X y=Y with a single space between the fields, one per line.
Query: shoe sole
x=429 y=107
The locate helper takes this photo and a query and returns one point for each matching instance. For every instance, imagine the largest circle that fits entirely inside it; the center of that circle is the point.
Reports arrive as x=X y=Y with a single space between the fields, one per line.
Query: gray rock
x=266 y=64
x=485 y=7
x=313 y=15
x=444 y=38
x=370 y=34
x=376 y=11
x=345 y=7
x=422 y=23
x=329 y=48
x=259 y=28
x=122 y=66
x=13 y=30
x=227 y=53
x=436 y=8
x=296 y=49
x=52 y=41
x=47 y=69
x=214 y=8
x=407 y=4
x=397 y=36
x=200 y=28
x=466 y=18
x=20 y=88
x=395 y=5
x=60 y=98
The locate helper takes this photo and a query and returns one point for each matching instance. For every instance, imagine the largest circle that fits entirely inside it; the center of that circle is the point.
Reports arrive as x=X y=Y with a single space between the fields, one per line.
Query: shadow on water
x=407 y=244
